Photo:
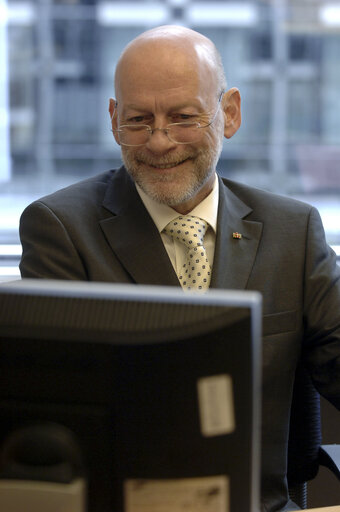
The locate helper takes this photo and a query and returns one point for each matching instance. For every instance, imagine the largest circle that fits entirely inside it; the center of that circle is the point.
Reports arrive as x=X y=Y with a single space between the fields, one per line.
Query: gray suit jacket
x=99 y=230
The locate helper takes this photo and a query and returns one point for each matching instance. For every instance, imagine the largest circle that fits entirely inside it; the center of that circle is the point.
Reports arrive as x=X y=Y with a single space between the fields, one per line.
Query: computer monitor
x=160 y=388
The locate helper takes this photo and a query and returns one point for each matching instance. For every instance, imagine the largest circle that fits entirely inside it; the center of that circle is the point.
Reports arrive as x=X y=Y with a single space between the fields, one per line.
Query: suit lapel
x=135 y=240
x=133 y=235
x=234 y=257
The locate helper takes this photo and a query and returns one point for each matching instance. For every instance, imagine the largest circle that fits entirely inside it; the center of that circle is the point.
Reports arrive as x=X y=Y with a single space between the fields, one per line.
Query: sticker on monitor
x=216 y=405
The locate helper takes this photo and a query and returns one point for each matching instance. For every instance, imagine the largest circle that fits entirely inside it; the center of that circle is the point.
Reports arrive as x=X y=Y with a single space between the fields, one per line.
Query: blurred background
x=57 y=61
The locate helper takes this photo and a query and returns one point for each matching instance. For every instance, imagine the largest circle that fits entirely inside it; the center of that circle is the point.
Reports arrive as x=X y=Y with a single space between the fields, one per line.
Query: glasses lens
x=184 y=132
x=133 y=135
x=138 y=135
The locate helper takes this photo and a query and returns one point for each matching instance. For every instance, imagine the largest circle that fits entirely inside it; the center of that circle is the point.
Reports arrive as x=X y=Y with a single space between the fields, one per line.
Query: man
x=169 y=116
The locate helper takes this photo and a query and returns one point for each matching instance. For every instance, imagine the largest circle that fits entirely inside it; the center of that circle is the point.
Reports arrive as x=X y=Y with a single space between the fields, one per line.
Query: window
x=59 y=58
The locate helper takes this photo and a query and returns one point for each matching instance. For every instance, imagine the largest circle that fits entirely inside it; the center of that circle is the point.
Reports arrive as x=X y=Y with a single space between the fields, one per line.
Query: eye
x=178 y=118
x=136 y=119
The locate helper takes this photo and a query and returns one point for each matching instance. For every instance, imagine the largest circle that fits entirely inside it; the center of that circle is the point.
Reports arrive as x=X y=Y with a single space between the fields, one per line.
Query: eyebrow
x=179 y=106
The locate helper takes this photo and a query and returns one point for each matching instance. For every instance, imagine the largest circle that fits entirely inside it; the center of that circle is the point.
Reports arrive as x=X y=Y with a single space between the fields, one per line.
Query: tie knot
x=187 y=229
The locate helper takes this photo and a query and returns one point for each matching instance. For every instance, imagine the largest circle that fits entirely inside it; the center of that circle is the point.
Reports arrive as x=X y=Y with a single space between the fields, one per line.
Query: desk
x=325 y=509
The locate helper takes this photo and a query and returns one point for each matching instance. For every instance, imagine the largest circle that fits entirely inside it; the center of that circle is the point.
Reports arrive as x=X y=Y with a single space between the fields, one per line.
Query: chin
x=174 y=186
x=166 y=193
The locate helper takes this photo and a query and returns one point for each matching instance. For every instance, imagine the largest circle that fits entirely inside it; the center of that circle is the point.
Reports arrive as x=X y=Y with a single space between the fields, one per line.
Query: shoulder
x=91 y=189
x=267 y=204
x=85 y=196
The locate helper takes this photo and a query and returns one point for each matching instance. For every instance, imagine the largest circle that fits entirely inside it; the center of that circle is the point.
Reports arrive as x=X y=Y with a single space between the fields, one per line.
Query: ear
x=114 y=117
x=231 y=105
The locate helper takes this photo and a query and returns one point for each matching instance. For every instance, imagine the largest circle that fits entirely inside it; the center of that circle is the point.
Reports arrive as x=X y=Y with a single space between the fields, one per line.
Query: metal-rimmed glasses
x=179 y=133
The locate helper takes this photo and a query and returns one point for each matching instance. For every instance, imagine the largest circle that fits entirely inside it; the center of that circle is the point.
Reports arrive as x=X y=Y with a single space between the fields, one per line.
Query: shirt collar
x=162 y=214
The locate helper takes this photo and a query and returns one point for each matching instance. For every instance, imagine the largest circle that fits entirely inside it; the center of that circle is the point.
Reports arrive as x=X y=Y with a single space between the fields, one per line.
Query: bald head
x=169 y=50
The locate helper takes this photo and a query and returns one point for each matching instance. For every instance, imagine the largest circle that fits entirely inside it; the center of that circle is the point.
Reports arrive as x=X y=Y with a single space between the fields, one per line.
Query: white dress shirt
x=162 y=214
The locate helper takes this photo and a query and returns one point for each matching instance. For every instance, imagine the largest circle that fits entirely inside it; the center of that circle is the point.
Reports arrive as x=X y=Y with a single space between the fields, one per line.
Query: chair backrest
x=305 y=430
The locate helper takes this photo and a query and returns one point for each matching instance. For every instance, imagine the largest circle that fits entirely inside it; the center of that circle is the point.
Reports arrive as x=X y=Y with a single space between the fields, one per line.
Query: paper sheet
x=203 y=494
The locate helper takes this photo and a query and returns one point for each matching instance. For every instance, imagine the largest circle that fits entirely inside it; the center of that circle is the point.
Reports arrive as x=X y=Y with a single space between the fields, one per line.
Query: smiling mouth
x=165 y=166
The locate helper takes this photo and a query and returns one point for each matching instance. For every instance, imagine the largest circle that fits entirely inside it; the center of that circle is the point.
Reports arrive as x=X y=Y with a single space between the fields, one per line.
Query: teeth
x=163 y=166
x=168 y=166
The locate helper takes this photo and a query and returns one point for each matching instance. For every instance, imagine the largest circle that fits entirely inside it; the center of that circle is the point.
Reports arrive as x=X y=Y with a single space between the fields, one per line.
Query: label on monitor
x=216 y=405
x=203 y=494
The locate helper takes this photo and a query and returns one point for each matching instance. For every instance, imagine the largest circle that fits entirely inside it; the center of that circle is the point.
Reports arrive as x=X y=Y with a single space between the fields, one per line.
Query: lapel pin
x=237 y=235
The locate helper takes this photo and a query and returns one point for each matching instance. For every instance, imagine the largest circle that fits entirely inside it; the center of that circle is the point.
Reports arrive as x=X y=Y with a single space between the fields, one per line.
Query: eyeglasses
x=179 y=133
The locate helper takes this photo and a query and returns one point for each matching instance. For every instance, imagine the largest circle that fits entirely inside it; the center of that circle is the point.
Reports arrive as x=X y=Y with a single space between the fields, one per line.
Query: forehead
x=163 y=71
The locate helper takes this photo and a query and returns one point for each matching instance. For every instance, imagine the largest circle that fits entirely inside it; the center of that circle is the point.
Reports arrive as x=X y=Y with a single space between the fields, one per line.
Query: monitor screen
x=160 y=389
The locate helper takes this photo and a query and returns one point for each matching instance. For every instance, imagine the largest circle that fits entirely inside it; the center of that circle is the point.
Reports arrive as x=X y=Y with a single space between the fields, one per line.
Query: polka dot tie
x=196 y=271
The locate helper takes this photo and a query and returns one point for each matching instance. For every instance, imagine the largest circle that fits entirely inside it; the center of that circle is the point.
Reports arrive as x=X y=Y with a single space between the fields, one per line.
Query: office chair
x=305 y=452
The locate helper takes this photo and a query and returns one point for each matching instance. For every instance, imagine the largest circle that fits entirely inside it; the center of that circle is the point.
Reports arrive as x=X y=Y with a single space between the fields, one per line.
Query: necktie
x=196 y=271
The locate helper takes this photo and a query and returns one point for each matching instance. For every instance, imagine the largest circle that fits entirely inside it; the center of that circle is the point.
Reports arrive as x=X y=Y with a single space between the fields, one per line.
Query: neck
x=187 y=206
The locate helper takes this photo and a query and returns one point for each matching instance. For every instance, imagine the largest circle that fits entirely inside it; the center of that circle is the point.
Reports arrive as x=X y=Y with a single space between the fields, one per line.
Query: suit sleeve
x=48 y=251
x=322 y=312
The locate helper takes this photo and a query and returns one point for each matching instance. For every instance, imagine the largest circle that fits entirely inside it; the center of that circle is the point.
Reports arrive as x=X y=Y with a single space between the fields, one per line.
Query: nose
x=159 y=141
